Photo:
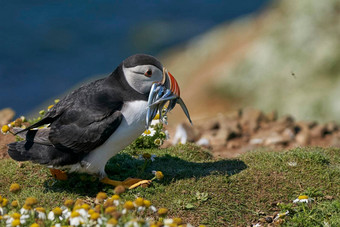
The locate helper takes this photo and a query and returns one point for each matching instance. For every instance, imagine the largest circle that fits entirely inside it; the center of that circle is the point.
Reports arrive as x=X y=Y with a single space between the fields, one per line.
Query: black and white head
x=142 y=71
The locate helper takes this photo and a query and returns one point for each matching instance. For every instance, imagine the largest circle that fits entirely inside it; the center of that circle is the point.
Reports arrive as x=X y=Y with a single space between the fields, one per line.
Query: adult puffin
x=94 y=122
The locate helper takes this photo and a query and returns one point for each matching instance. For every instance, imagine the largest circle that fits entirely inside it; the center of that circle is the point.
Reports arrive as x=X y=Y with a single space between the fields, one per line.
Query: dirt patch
x=232 y=134
x=4 y=140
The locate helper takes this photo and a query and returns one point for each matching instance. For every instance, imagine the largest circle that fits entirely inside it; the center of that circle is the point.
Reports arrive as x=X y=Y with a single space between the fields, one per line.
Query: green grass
x=203 y=190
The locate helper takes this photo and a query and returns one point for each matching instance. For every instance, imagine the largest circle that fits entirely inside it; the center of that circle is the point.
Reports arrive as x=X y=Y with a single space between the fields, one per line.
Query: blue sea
x=46 y=47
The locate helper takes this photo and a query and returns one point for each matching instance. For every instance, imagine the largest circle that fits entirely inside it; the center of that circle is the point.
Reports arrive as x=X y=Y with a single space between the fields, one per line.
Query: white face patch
x=136 y=78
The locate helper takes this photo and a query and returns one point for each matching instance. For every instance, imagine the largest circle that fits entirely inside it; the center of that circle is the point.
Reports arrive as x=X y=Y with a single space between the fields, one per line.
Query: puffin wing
x=83 y=120
x=84 y=134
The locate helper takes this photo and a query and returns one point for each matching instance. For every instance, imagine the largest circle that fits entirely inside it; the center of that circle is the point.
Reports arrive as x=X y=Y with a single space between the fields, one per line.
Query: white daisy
x=303 y=199
x=149 y=132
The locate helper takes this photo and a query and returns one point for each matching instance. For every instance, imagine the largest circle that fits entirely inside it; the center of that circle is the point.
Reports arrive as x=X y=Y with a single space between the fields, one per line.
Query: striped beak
x=170 y=82
x=167 y=91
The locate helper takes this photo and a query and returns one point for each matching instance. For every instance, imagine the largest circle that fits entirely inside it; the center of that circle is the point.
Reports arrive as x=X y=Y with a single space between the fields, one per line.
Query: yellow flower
x=5 y=129
x=30 y=201
x=14 y=188
x=158 y=174
x=149 y=132
x=98 y=208
x=57 y=211
x=157 y=142
x=115 y=197
x=27 y=207
x=78 y=202
x=14 y=203
x=112 y=221
x=95 y=216
x=16 y=222
x=4 y=202
x=16 y=216
x=0 y=199
x=34 y=225
x=129 y=205
x=177 y=221
x=56 y=101
x=147 y=203
x=85 y=206
x=146 y=156
x=42 y=112
x=100 y=197
x=74 y=214
x=69 y=203
x=91 y=211
x=303 y=197
x=162 y=211
x=139 y=202
x=156 y=117
x=110 y=210
x=108 y=202
x=77 y=207
x=40 y=209
x=50 y=107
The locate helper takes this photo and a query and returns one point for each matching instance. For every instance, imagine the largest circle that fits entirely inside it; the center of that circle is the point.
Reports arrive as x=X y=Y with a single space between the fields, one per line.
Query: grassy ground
x=203 y=190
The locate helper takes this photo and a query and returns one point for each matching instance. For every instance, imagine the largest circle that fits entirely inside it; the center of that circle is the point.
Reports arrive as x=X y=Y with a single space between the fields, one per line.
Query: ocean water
x=46 y=47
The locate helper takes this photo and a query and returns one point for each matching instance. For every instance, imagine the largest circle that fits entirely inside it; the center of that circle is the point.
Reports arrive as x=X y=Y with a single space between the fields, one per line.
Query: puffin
x=94 y=122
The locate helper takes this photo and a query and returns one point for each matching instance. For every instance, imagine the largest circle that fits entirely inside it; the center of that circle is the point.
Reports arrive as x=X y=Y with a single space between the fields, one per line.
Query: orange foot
x=129 y=183
x=59 y=174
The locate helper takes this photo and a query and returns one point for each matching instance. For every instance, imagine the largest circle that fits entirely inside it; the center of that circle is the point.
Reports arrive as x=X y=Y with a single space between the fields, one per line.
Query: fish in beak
x=161 y=93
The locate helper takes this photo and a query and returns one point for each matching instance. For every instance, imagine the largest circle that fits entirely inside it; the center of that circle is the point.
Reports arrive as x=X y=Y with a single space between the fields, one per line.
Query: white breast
x=132 y=126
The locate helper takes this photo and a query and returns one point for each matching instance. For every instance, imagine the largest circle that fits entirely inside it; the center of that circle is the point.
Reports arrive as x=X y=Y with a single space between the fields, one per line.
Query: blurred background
x=279 y=55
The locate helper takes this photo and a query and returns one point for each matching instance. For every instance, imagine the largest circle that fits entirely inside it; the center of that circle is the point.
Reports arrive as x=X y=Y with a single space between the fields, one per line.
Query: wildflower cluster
x=17 y=123
x=103 y=211
x=153 y=137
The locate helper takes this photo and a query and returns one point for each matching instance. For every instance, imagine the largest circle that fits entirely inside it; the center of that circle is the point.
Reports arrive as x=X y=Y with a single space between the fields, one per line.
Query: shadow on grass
x=123 y=166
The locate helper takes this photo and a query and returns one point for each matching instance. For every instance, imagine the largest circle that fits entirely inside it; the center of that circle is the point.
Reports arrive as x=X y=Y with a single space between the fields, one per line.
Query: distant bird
x=99 y=119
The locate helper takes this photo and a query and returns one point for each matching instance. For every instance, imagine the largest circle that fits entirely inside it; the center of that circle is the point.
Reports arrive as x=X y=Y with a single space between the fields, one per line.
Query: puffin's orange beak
x=170 y=82
x=160 y=94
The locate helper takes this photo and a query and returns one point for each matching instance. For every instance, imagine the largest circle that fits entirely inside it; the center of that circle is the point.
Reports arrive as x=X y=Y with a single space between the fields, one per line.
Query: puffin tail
x=30 y=151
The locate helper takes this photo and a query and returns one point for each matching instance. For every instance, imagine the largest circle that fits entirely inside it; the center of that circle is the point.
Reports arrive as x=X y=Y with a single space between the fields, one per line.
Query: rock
x=331 y=127
x=287 y=120
x=288 y=133
x=233 y=144
x=6 y=115
x=335 y=141
x=256 y=141
x=276 y=139
x=272 y=116
x=233 y=129
x=213 y=124
x=303 y=138
x=319 y=130
x=250 y=119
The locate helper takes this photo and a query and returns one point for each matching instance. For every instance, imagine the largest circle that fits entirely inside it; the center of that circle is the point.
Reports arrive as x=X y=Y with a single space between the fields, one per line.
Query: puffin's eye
x=148 y=73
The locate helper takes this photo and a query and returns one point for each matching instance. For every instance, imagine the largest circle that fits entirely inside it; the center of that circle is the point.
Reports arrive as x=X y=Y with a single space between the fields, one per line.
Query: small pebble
x=269 y=219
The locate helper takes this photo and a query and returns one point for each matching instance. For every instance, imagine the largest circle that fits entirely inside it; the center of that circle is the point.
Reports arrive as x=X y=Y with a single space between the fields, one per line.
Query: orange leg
x=129 y=183
x=59 y=174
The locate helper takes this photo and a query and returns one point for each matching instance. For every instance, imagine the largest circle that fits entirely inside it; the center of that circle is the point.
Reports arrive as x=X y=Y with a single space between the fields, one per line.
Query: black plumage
x=81 y=121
